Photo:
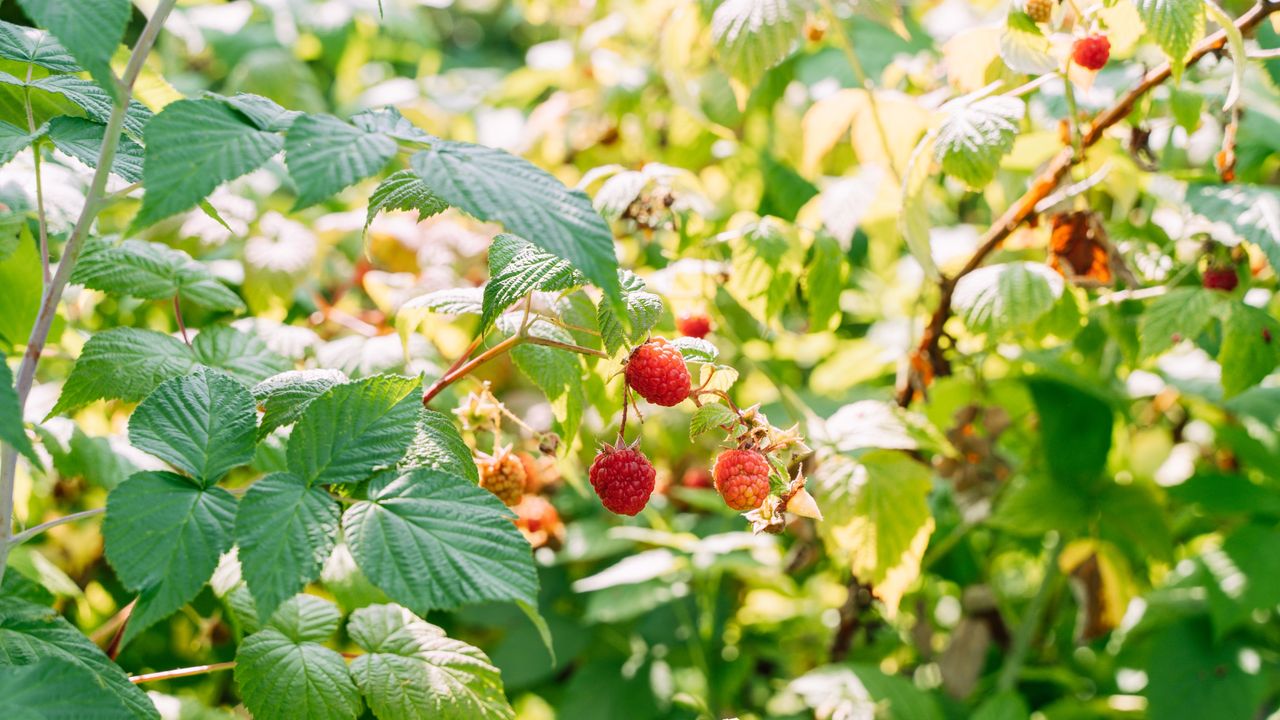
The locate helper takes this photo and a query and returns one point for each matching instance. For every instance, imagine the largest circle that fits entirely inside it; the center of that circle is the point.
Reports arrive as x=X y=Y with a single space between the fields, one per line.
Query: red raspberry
x=657 y=371
x=1040 y=10
x=503 y=475
x=1220 y=278
x=1091 y=51
x=695 y=325
x=623 y=478
x=696 y=477
x=742 y=477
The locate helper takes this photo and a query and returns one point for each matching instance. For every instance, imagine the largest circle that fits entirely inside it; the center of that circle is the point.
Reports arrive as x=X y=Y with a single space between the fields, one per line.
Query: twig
x=929 y=349
x=466 y=368
x=177 y=313
x=29 y=533
x=182 y=672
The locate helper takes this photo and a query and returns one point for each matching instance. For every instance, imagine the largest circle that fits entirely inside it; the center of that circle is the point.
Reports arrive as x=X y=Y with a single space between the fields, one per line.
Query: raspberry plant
x=809 y=360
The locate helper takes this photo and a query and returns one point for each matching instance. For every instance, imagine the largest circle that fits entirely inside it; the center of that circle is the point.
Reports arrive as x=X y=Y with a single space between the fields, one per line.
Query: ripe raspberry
x=623 y=478
x=657 y=371
x=742 y=477
x=539 y=521
x=695 y=325
x=1040 y=10
x=1091 y=52
x=696 y=477
x=503 y=475
x=1220 y=278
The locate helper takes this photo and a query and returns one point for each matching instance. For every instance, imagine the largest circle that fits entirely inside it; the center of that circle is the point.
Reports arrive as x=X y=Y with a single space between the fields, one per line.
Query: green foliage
x=516 y=268
x=755 y=35
x=89 y=33
x=151 y=271
x=404 y=190
x=353 y=429
x=326 y=155
x=11 y=430
x=976 y=135
x=1176 y=25
x=202 y=424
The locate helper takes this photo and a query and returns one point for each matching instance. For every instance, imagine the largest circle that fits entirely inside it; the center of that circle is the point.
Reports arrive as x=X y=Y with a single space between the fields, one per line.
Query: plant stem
x=182 y=672
x=460 y=371
x=177 y=314
x=29 y=533
x=1031 y=621
x=53 y=290
x=35 y=154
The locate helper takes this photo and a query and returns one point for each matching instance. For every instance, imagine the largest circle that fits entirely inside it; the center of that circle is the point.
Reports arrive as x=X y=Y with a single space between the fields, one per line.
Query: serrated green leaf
x=1176 y=25
x=12 y=431
x=437 y=445
x=53 y=689
x=413 y=672
x=557 y=373
x=33 y=46
x=284 y=397
x=823 y=281
x=164 y=534
x=710 y=417
x=449 y=301
x=1192 y=676
x=14 y=140
x=767 y=259
x=95 y=101
x=23 y=284
x=243 y=356
x=90 y=32
x=696 y=349
x=354 y=429
x=494 y=185
x=306 y=618
x=123 y=363
x=976 y=135
x=1250 y=347
x=281 y=679
x=752 y=36
x=1005 y=298
x=203 y=424
x=325 y=155
x=404 y=190
x=264 y=113
x=1075 y=431
x=389 y=122
x=1181 y=313
x=644 y=309
x=285 y=531
x=82 y=139
x=151 y=271
x=1024 y=48
x=433 y=540
x=30 y=633
x=518 y=267
x=1253 y=211
x=194 y=146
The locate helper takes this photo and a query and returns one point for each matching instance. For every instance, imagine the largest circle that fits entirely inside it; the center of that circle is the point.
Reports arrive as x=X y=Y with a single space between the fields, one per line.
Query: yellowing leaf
x=1102 y=581
x=904 y=122
x=1124 y=27
x=826 y=122
x=968 y=55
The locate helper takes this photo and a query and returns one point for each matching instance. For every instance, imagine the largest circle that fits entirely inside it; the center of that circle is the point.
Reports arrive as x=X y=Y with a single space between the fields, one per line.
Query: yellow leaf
x=904 y=122
x=826 y=122
x=968 y=55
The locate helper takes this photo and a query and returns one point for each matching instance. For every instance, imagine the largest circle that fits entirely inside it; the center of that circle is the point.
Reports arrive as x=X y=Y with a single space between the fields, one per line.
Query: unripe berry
x=656 y=371
x=742 y=477
x=503 y=475
x=1040 y=10
x=623 y=478
x=1220 y=278
x=1091 y=52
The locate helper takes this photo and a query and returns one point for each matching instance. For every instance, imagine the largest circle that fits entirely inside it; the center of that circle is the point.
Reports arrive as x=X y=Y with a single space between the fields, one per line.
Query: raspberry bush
x=696 y=360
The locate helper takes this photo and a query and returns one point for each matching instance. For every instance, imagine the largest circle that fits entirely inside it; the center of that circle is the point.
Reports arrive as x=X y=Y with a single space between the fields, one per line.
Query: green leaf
x=404 y=190
x=22 y=280
x=90 y=32
x=52 y=689
x=1253 y=211
x=494 y=185
x=1250 y=347
x=696 y=349
x=151 y=271
x=123 y=363
x=433 y=540
x=518 y=267
x=29 y=45
x=1075 y=429
x=164 y=534
x=306 y=618
x=12 y=431
x=976 y=135
x=265 y=113
x=865 y=691
x=449 y=301
x=285 y=531
x=194 y=146
x=82 y=139
x=281 y=679
x=354 y=429
x=14 y=140
x=999 y=299
x=557 y=373
x=824 y=280
x=412 y=671
x=1176 y=25
x=242 y=356
x=1246 y=576
x=284 y=398
x=877 y=517
x=95 y=101
x=203 y=424
x=389 y=122
x=437 y=445
x=1181 y=313
x=710 y=417
x=30 y=633
x=1024 y=48
x=1190 y=677
x=644 y=309
x=767 y=261
x=325 y=155
x=752 y=36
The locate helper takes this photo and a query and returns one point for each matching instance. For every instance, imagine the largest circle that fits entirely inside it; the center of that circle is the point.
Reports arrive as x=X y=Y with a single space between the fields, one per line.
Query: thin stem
x=546 y=342
x=860 y=74
x=53 y=290
x=29 y=533
x=1031 y=621
x=182 y=672
x=466 y=368
x=177 y=313
x=35 y=154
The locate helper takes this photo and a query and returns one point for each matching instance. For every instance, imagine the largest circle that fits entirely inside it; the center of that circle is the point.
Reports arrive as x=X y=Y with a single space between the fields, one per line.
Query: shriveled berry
x=503 y=475
x=742 y=477
x=623 y=478
x=1040 y=10
x=1220 y=278
x=695 y=325
x=1091 y=51
x=656 y=371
